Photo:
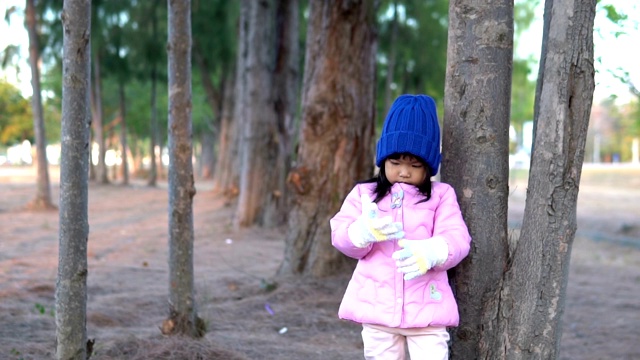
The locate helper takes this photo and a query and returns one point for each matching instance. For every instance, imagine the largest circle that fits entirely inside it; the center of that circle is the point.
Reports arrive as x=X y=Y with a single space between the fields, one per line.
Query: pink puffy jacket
x=377 y=292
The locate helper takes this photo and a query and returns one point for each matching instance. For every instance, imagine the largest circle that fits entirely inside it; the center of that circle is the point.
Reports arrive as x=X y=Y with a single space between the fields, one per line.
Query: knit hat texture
x=411 y=126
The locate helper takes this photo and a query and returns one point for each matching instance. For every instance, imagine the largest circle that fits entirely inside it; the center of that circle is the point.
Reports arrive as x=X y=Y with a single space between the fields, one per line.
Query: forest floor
x=128 y=277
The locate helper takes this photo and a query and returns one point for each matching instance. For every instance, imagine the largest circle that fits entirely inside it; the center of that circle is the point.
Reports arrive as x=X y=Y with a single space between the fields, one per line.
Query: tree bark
x=225 y=175
x=71 y=284
x=285 y=90
x=337 y=128
x=535 y=291
x=258 y=147
x=475 y=162
x=183 y=318
x=43 y=189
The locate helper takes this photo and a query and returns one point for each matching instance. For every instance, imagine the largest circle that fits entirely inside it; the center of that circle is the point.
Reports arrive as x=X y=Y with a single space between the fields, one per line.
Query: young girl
x=406 y=231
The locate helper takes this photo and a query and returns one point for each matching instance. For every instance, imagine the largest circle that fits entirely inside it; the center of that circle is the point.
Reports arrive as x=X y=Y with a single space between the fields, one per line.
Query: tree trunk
x=534 y=295
x=183 y=318
x=43 y=192
x=475 y=162
x=258 y=146
x=336 y=145
x=123 y=134
x=71 y=284
x=98 y=121
x=207 y=155
x=225 y=175
x=285 y=90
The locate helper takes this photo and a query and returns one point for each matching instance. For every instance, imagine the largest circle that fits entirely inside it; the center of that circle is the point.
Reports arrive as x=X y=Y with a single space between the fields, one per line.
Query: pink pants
x=384 y=343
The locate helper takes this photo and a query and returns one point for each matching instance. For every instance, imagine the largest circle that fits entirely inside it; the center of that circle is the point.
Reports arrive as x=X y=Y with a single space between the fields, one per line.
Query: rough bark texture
x=71 y=284
x=183 y=317
x=337 y=129
x=258 y=132
x=475 y=161
x=534 y=295
x=43 y=188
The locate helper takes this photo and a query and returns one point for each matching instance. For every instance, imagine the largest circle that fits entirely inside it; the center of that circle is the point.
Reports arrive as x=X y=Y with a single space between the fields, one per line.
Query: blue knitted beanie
x=411 y=126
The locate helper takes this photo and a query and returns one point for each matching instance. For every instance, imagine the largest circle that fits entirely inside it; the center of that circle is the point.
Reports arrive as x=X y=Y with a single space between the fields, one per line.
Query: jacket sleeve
x=349 y=212
x=450 y=225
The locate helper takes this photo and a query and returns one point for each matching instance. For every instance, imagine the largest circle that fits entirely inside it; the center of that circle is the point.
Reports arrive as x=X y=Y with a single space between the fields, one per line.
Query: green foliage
x=524 y=72
x=138 y=107
x=420 y=56
x=630 y=119
x=42 y=310
x=613 y=14
x=614 y=130
x=16 y=119
x=523 y=15
x=522 y=92
x=214 y=44
x=129 y=37
x=214 y=32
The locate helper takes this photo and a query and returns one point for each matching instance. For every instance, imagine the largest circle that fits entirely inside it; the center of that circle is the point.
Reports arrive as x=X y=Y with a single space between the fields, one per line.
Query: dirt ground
x=128 y=278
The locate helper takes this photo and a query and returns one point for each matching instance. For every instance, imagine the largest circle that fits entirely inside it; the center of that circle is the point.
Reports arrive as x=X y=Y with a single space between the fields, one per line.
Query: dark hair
x=383 y=186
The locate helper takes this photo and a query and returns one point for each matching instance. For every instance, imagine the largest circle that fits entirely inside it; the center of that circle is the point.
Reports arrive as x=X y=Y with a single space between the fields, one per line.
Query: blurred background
x=129 y=60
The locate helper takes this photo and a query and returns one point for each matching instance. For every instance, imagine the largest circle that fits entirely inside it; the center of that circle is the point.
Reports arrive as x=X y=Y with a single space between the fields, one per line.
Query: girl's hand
x=418 y=256
x=369 y=228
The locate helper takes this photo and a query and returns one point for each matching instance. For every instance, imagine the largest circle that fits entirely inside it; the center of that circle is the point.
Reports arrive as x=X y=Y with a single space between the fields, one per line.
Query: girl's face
x=406 y=169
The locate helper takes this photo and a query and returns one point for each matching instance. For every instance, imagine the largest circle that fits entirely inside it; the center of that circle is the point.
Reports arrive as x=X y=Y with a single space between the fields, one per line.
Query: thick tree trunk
x=227 y=175
x=475 y=162
x=285 y=90
x=43 y=189
x=336 y=145
x=71 y=284
x=535 y=288
x=258 y=147
x=183 y=318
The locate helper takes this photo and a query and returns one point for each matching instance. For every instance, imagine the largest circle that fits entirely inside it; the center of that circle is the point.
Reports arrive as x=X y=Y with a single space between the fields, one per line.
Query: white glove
x=418 y=256
x=369 y=228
